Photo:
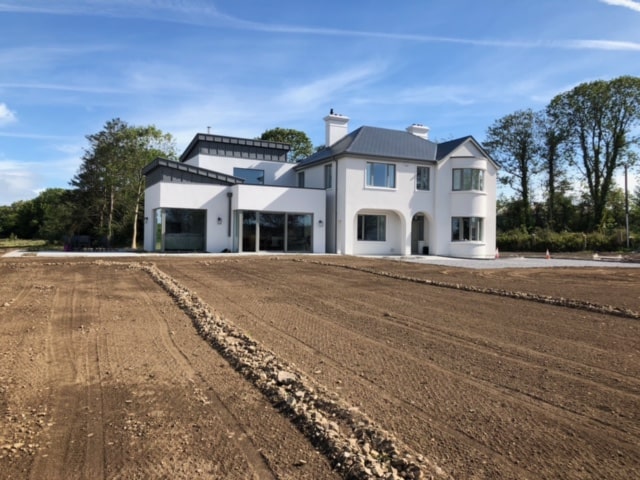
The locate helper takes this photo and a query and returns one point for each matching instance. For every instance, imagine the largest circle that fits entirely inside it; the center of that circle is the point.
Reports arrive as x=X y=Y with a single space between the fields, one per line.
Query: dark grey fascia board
x=183 y=167
x=207 y=137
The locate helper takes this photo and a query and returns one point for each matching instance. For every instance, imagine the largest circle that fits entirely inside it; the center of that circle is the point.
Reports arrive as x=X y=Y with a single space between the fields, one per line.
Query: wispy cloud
x=63 y=88
x=327 y=87
x=202 y=13
x=631 y=4
x=6 y=115
x=602 y=45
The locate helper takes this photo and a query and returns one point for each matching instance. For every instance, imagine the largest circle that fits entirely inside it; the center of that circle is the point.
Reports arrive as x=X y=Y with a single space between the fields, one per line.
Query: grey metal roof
x=387 y=143
x=445 y=148
x=173 y=171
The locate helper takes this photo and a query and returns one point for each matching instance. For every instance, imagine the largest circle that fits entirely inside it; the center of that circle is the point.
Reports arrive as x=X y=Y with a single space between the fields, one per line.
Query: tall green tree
x=600 y=117
x=109 y=184
x=555 y=155
x=512 y=140
x=301 y=146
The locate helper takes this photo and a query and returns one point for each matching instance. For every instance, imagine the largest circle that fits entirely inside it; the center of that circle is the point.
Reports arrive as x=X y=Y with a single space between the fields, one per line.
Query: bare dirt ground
x=104 y=375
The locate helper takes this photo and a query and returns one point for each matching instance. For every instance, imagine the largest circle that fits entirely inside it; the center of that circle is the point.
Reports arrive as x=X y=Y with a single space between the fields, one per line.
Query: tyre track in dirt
x=511 y=360
x=184 y=368
x=254 y=278
x=124 y=388
x=76 y=396
x=466 y=382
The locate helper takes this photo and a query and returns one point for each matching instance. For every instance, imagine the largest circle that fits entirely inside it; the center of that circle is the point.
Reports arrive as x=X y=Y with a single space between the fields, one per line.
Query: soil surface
x=468 y=374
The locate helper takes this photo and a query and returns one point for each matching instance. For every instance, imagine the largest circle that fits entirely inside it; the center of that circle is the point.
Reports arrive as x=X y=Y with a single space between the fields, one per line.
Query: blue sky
x=241 y=67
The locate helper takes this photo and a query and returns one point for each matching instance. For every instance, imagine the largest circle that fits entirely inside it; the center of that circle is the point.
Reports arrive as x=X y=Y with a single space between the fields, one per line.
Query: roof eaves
x=184 y=167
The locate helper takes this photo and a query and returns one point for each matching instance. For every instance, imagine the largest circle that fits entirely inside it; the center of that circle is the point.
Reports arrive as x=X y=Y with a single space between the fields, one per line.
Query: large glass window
x=180 y=229
x=327 y=176
x=275 y=231
x=467 y=229
x=422 y=178
x=468 y=179
x=372 y=228
x=381 y=175
x=249 y=230
x=251 y=176
x=299 y=233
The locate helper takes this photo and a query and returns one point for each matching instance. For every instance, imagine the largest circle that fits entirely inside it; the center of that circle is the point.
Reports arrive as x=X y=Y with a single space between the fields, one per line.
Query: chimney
x=419 y=130
x=336 y=127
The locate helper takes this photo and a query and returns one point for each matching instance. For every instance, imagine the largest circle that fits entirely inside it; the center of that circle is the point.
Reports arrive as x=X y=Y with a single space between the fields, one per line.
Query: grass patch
x=19 y=243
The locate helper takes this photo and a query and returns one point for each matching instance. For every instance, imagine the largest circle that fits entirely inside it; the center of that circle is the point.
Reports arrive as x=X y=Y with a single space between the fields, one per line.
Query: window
x=180 y=229
x=301 y=179
x=467 y=229
x=275 y=231
x=327 y=176
x=372 y=228
x=381 y=175
x=251 y=176
x=422 y=178
x=468 y=179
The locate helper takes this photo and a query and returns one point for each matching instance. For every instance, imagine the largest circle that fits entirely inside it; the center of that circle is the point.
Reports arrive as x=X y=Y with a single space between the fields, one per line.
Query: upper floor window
x=251 y=176
x=372 y=228
x=467 y=229
x=381 y=175
x=327 y=176
x=301 y=179
x=422 y=178
x=468 y=179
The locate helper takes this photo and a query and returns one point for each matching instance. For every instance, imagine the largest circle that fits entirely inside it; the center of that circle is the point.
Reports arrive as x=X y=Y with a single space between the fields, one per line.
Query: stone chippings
x=356 y=447
x=532 y=297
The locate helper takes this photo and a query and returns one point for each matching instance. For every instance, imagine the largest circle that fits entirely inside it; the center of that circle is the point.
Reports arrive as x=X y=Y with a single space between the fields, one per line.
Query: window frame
x=373 y=170
x=328 y=176
x=363 y=229
x=467 y=179
x=419 y=183
x=467 y=229
x=301 y=179
x=239 y=172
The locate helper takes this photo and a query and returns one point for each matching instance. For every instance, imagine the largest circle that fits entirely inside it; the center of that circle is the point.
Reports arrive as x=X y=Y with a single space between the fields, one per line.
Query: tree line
x=107 y=197
x=561 y=163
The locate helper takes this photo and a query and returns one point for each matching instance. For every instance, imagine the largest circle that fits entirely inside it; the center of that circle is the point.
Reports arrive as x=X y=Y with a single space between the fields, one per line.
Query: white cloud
x=325 y=89
x=17 y=182
x=6 y=115
x=631 y=4
x=603 y=45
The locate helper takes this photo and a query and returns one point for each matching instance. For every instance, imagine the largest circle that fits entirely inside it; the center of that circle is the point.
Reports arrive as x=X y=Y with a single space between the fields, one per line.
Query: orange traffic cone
x=547 y=256
x=497 y=254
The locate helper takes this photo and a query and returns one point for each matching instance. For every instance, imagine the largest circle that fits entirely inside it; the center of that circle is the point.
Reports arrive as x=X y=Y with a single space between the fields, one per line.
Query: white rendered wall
x=275 y=173
x=465 y=204
x=212 y=198
x=290 y=200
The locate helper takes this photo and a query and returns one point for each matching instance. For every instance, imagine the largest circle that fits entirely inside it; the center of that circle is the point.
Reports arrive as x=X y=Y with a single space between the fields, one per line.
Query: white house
x=371 y=191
